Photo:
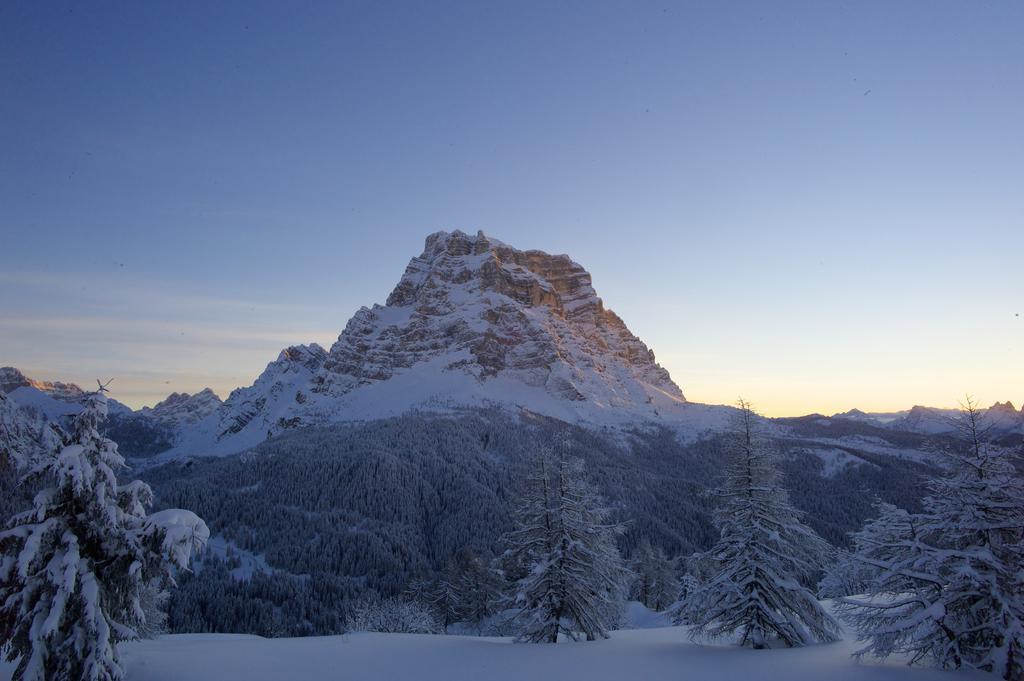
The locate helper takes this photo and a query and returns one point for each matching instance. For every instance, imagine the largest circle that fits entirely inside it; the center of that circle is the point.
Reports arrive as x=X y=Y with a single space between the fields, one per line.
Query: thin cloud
x=162 y=296
x=208 y=334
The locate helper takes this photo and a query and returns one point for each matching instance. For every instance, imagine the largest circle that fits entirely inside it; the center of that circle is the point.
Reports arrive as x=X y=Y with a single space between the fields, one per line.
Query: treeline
x=504 y=526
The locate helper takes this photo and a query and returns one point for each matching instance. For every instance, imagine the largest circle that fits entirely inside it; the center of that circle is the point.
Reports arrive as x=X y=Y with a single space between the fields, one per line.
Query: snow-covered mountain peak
x=185 y=408
x=1001 y=417
x=486 y=309
x=472 y=321
x=311 y=356
x=1006 y=407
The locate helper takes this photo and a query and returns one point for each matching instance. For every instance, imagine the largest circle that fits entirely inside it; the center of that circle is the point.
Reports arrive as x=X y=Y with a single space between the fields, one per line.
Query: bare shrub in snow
x=393 y=616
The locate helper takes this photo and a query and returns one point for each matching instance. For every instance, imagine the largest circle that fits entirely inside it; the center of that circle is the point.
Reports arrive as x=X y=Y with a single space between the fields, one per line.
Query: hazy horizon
x=139 y=391
x=813 y=205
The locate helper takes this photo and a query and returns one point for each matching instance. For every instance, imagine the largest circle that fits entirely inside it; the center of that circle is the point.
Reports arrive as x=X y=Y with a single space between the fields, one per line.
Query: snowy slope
x=24 y=433
x=647 y=654
x=42 y=403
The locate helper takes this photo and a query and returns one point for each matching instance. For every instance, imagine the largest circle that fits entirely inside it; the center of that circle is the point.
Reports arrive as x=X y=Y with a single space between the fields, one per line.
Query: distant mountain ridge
x=1001 y=417
x=52 y=400
x=31 y=410
x=56 y=399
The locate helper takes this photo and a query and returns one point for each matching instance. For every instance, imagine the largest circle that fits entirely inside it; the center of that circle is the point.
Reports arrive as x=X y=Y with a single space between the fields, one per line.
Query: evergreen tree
x=655 y=584
x=444 y=596
x=478 y=589
x=76 y=570
x=845 y=577
x=575 y=581
x=949 y=583
x=896 y=571
x=419 y=590
x=700 y=568
x=680 y=611
x=891 y=540
x=763 y=558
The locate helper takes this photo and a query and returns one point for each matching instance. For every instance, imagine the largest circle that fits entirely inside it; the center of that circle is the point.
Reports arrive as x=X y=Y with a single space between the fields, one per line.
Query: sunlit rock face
x=11 y=379
x=185 y=408
x=489 y=309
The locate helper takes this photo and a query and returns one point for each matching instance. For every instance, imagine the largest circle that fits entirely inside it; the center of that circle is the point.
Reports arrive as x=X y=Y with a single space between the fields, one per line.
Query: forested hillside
x=319 y=517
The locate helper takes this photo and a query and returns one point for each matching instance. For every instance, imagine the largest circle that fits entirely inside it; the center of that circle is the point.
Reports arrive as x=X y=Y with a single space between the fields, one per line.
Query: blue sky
x=817 y=205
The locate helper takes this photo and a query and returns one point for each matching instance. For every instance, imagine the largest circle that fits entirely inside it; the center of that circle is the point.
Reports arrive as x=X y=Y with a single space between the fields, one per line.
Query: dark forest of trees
x=346 y=511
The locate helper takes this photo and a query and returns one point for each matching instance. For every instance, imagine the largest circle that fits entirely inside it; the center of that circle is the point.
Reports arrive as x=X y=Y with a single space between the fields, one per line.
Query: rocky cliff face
x=489 y=309
x=278 y=400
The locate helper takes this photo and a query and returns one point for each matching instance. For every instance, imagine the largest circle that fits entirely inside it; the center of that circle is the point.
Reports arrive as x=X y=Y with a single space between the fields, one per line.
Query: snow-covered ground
x=630 y=655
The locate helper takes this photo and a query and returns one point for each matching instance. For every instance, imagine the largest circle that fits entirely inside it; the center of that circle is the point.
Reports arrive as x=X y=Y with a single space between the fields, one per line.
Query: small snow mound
x=186 y=533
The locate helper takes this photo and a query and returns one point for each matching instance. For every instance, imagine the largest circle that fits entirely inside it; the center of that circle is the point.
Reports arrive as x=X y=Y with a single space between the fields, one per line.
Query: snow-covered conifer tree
x=75 y=570
x=900 y=590
x=845 y=577
x=575 y=583
x=419 y=590
x=699 y=568
x=680 y=610
x=891 y=540
x=949 y=586
x=443 y=596
x=975 y=515
x=763 y=559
